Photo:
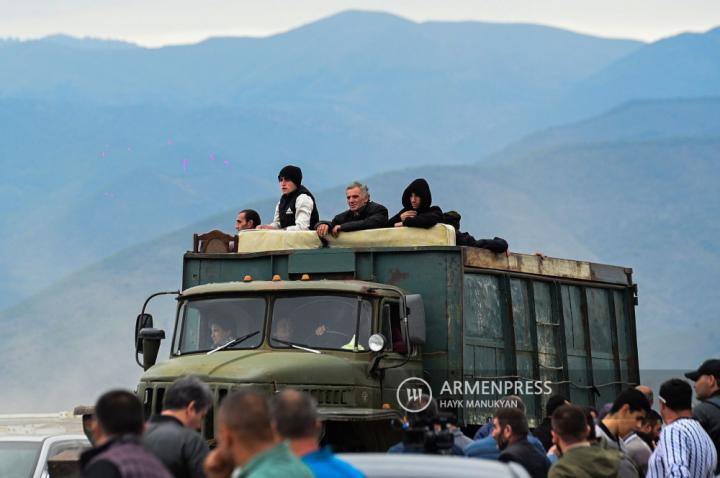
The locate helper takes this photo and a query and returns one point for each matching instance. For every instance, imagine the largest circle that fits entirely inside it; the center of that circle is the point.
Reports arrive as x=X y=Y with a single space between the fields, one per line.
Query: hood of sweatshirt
x=422 y=189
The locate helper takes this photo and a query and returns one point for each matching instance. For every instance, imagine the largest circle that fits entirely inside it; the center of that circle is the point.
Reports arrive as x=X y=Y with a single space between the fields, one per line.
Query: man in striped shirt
x=684 y=449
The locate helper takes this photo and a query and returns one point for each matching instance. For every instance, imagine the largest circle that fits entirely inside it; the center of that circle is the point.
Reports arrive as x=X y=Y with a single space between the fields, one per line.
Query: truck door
x=396 y=351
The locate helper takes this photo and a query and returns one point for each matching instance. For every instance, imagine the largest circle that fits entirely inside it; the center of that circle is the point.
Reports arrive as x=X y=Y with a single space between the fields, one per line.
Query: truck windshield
x=206 y=324
x=18 y=459
x=321 y=322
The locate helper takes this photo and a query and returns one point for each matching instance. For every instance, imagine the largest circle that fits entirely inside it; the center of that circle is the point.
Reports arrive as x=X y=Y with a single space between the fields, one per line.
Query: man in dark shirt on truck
x=362 y=213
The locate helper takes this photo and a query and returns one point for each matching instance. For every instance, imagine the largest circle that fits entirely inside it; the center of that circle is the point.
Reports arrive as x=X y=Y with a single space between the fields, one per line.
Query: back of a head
x=635 y=399
x=676 y=394
x=294 y=414
x=652 y=418
x=247 y=414
x=186 y=390
x=511 y=401
x=570 y=423
x=452 y=218
x=515 y=418
x=120 y=412
x=428 y=415
x=553 y=403
x=647 y=391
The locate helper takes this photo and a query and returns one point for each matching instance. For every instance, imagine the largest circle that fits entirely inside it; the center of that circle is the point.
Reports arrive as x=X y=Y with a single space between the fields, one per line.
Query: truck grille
x=152 y=395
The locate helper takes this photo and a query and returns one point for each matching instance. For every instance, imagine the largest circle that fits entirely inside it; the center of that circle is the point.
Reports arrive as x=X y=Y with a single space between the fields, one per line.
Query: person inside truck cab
x=362 y=214
x=221 y=332
x=297 y=209
x=417 y=210
x=283 y=329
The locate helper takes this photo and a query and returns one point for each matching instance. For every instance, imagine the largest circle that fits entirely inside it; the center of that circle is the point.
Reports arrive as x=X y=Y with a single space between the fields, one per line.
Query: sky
x=161 y=22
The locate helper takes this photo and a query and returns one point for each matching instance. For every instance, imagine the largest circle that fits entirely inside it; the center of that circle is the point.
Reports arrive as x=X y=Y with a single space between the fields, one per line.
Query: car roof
x=396 y=465
x=40 y=438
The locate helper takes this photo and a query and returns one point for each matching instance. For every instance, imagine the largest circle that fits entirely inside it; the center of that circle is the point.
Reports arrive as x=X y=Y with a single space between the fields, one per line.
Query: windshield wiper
x=233 y=342
x=295 y=346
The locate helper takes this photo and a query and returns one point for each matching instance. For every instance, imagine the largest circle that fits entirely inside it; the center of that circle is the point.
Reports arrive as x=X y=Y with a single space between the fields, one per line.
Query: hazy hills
x=647 y=203
x=105 y=143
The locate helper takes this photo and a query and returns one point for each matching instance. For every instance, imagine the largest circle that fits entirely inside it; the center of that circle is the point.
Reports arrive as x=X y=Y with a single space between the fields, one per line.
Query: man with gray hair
x=363 y=213
x=295 y=419
x=172 y=436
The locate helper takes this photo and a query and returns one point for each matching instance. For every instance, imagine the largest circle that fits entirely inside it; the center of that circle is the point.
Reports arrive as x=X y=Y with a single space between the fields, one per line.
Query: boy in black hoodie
x=417 y=209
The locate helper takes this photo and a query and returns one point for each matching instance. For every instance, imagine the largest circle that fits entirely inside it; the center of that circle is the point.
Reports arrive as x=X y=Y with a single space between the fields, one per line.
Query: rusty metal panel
x=601 y=339
x=483 y=312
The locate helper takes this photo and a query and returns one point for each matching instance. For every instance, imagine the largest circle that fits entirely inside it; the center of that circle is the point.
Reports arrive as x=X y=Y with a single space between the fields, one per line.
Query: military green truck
x=350 y=324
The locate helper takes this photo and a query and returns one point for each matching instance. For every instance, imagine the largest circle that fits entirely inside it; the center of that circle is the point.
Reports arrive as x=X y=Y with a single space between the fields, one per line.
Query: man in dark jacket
x=119 y=453
x=362 y=213
x=297 y=209
x=707 y=390
x=172 y=436
x=511 y=434
x=417 y=208
x=544 y=430
x=497 y=244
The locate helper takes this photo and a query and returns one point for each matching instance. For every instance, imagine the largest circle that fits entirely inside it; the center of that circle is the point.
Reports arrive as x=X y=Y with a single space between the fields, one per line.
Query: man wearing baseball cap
x=707 y=390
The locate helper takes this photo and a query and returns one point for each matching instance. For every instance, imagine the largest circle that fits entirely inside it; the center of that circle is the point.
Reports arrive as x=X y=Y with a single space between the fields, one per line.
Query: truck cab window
x=209 y=323
x=392 y=327
x=321 y=322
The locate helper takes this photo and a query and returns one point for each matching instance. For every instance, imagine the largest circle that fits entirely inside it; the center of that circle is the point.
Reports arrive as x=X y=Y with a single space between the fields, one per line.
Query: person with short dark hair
x=511 y=434
x=496 y=245
x=362 y=213
x=640 y=444
x=417 y=210
x=118 y=453
x=684 y=448
x=544 y=431
x=707 y=390
x=246 y=440
x=297 y=209
x=625 y=416
x=295 y=419
x=221 y=331
x=484 y=445
x=247 y=219
x=579 y=457
x=172 y=436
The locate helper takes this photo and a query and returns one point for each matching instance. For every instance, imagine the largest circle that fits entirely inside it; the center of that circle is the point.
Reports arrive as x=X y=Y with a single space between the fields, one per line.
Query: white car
x=26 y=456
x=395 y=465
x=28 y=440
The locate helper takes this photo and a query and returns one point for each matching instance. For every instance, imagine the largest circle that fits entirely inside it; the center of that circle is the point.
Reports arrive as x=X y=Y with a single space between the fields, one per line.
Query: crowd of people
x=297 y=211
x=261 y=437
x=626 y=439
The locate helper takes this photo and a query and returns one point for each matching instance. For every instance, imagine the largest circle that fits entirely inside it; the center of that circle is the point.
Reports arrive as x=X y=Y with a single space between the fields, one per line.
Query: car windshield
x=18 y=459
x=321 y=322
x=206 y=324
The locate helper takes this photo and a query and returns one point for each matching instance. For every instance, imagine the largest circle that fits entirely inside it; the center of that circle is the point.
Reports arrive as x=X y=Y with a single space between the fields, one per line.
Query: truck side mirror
x=151 y=339
x=416 y=318
x=143 y=321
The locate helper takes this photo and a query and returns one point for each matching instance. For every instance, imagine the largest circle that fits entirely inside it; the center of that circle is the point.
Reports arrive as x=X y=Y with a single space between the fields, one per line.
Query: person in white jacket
x=296 y=210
